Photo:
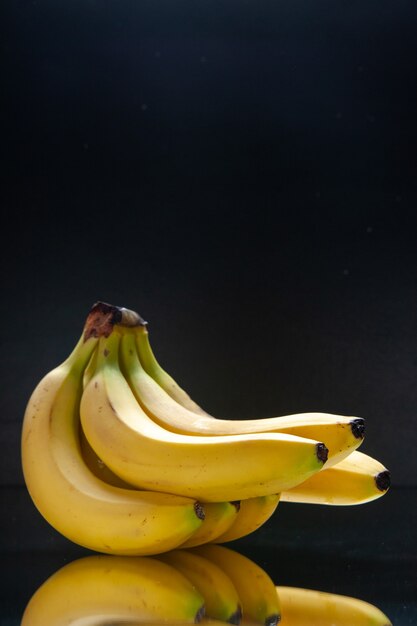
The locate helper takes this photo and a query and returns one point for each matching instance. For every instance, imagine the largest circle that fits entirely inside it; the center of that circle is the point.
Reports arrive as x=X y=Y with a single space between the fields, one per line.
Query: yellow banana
x=305 y=607
x=110 y=589
x=210 y=468
x=161 y=399
x=74 y=501
x=98 y=468
x=252 y=514
x=219 y=517
x=357 y=479
x=221 y=599
x=259 y=599
x=340 y=434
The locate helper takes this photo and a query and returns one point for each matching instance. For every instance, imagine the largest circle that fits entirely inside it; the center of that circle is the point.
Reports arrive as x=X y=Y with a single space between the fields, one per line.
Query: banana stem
x=103 y=317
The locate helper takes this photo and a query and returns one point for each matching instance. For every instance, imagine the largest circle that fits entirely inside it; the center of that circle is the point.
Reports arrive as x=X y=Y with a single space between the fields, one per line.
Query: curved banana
x=357 y=479
x=258 y=596
x=221 y=599
x=74 y=501
x=162 y=377
x=339 y=433
x=252 y=514
x=107 y=589
x=305 y=607
x=210 y=468
x=219 y=517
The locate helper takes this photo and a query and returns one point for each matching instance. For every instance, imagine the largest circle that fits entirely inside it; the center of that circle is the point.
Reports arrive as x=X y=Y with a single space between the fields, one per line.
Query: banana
x=357 y=479
x=98 y=468
x=164 y=380
x=253 y=513
x=340 y=434
x=305 y=607
x=219 y=517
x=74 y=501
x=110 y=589
x=221 y=599
x=259 y=599
x=210 y=468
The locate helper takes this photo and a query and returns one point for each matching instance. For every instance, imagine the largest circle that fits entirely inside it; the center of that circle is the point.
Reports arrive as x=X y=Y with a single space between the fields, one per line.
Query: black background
x=241 y=173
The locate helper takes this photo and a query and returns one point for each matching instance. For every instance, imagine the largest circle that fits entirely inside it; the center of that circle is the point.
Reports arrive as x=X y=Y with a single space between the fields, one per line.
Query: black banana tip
x=358 y=427
x=200 y=614
x=383 y=480
x=273 y=620
x=236 y=617
x=322 y=452
x=199 y=510
x=236 y=504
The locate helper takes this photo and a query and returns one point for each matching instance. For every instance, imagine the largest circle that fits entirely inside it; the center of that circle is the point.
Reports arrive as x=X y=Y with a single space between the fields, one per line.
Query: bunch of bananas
x=119 y=459
x=185 y=586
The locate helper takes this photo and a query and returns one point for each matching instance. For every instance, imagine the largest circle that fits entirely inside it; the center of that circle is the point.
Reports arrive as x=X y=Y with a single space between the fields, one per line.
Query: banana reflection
x=210 y=584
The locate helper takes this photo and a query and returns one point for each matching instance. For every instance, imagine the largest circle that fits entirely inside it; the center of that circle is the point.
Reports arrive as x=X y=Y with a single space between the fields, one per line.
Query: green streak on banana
x=107 y=589
x=356 y=480
x=164 y=380
x=210 y=468
x=221 y=600
x=169 y=406
x=259 y=599
x=305 y=607
x=74 y=501
x=252 y=514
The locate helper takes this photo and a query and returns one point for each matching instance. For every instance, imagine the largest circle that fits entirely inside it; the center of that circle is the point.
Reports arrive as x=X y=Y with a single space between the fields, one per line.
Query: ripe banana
x=210 y=468
x=357 y=479
x=74 y=501
x=221 y=599
x=252 y=514
x=219 y=517
x=258 y=596
x=305 y=607
x=340 y=434
x=108 y=589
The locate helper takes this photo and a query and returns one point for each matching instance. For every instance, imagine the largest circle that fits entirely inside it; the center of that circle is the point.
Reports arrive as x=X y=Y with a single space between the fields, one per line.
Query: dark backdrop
x=241 y=173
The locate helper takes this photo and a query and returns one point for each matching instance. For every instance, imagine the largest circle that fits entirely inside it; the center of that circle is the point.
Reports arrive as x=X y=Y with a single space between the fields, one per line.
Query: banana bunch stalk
x=118 y=458
x=207 y=585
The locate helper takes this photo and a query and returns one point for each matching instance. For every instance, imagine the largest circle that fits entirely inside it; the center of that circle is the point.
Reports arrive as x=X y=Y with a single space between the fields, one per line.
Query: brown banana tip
x=322 y=452
x=273 y=620
x=236 y=504
x=236 y=617
x=383 y=480
x=358 y=427
x=199 y=510
x=103 y=316
x=200 y=614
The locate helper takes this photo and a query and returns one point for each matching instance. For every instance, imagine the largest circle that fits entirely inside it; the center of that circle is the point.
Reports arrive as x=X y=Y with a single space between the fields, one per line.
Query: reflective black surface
x=243 y=174
x=368 y=552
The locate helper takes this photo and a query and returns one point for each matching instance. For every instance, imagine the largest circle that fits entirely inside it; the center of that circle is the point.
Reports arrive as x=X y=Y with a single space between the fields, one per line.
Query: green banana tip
x=103 y=317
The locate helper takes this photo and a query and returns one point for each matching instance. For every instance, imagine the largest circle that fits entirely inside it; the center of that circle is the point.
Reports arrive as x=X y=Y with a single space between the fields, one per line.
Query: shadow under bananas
x=209 y=584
